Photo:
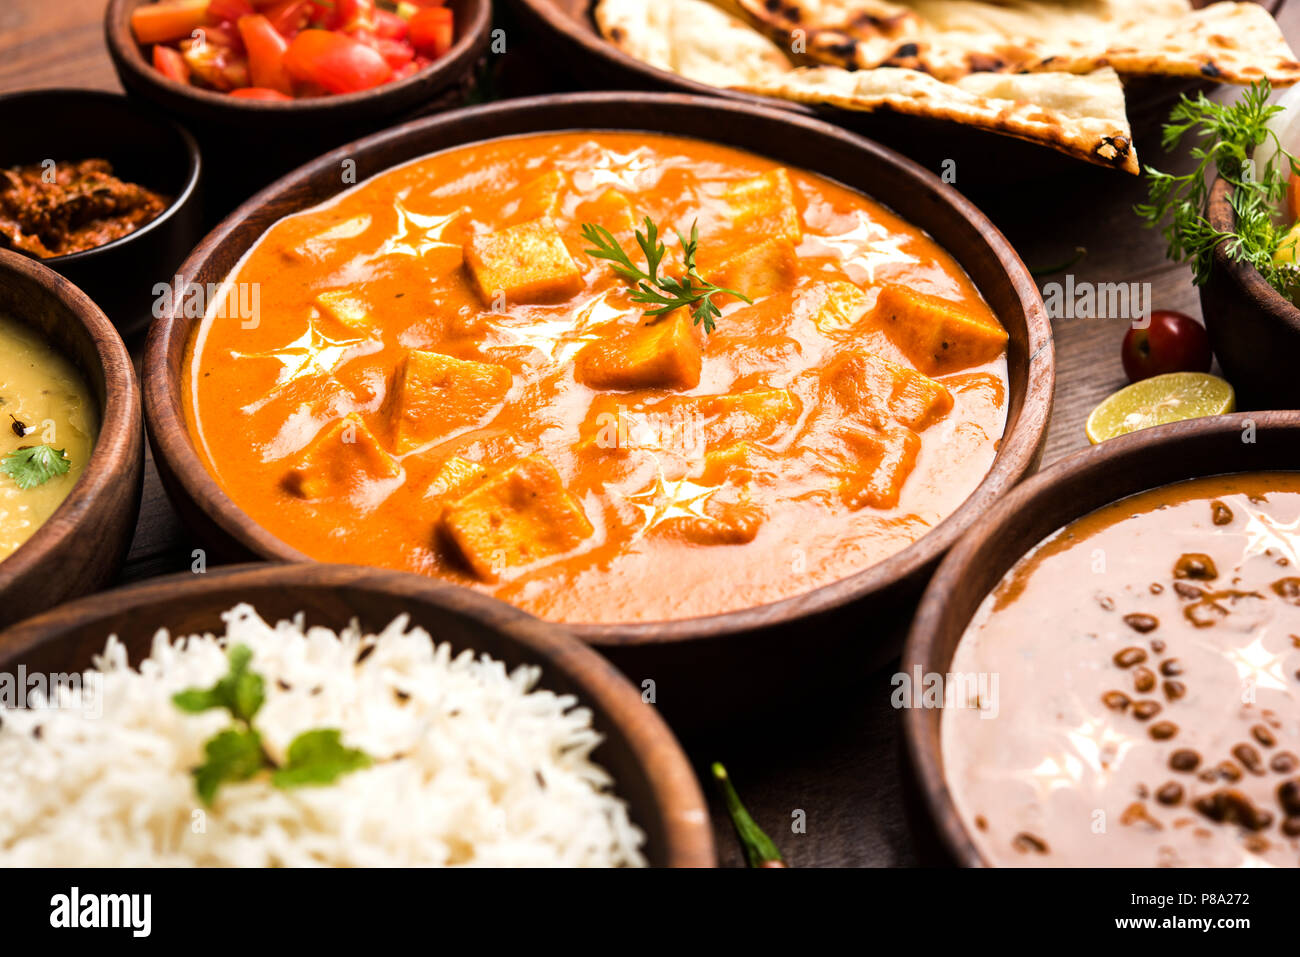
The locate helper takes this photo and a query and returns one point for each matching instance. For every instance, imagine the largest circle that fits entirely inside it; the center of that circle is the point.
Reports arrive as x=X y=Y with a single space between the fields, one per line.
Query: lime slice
x=1158 y=400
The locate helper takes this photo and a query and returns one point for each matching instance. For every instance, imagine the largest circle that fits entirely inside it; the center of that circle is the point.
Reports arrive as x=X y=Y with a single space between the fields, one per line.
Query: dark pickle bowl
x=144 y=148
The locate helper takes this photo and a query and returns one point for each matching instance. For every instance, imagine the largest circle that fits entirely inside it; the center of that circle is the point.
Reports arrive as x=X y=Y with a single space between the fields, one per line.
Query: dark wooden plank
x=837 y=762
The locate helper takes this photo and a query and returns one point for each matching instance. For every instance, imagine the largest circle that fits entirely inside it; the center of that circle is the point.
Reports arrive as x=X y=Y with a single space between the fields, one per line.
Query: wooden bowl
x=569 y=30
x=650 y=771
x=693 y=661
x=282 y=135
x=144 y=148
x=1068 y=490
x=82 y=545
x=343 y=115
x=1254 y=329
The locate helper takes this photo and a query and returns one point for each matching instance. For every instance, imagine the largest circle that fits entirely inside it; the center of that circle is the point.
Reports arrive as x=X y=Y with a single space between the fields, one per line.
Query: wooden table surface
x=832 y=765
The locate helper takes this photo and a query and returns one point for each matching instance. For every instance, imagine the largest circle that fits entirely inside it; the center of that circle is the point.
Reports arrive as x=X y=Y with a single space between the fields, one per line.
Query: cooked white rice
x=476 y=766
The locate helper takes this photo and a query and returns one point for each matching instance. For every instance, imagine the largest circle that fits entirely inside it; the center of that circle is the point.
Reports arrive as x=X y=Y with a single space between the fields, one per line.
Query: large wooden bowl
x=650 y=771
x=1254 y=329
x=710 y=666
x=83 y=543
x=1070 y=489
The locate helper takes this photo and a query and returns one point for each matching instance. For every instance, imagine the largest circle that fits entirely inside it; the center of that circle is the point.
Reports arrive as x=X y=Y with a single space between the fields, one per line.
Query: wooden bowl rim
x=1112 y=457
x=1015 y=458
x=1252 y=286
x=586 y=34
x=194 y=165
x=675 y=792
x=120 y=422
x=471 y=40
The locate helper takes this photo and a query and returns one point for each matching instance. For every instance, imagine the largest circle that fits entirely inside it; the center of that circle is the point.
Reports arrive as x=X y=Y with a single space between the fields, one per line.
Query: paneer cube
x=518 y=516
x=760 y=270
x=832 y=307
x=343 y=306
x=610 y=209
x=865 y=384
x=687 y=425
x=663 y=354
x=886 y=458
x=733 y=463
x=525 y=263
x=344 y=460
x=746 y=416
x=765 y=206
x=454 y=478
x=432 y=396
x=937 y=336
x=724 y=523
x=541 y=196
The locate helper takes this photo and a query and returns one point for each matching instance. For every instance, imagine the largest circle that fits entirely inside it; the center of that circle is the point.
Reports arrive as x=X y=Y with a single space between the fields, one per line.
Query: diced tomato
x=217 y=67
x=169 y=20
x=289 y=16
x=224 y=35
x=325 y=14
x=396 y=53
x=338 y=63
x=402 y=72
x=265 y=54
x=389 y=26
x=355 y=15
x=258 y=93
x=432 y=31
x=170 y=64
x=232 y=10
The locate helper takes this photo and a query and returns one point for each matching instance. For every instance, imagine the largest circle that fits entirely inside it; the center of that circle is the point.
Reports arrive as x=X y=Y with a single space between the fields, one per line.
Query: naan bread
x=949 y=39
x=693 y=38
x=1082 y=115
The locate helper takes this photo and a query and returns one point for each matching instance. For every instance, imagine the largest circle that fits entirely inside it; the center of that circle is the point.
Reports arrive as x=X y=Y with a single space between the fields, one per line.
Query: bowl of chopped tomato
x=323 y=68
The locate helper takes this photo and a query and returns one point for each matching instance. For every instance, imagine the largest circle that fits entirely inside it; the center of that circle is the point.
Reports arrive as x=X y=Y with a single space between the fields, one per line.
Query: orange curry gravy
x=1148 y=695
x=441 y=379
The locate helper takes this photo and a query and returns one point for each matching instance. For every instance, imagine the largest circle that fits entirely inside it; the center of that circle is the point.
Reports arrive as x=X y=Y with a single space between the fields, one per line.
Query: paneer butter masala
x=443 y=378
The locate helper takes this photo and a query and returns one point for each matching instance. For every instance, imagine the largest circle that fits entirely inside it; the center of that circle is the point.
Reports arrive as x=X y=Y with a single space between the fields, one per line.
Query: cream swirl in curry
x=443 y=379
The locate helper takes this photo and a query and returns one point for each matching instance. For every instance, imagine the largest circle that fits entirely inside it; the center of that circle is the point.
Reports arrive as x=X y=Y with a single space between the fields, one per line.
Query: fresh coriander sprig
x=237 y=753
x=1227 y=137
x=662 y=293
x=35 y=465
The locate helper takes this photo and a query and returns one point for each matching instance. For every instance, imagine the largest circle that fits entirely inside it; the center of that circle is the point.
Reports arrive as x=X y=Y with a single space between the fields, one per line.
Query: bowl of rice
x=328 y=715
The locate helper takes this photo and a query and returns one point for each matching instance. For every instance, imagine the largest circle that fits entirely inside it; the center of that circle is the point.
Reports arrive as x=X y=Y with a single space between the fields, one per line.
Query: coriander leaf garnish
x=236 y=754
x=232 y=755
x=663 y=293
x=241 y=691
x=1227 y=138
x=35 y=465
x=318 y=757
